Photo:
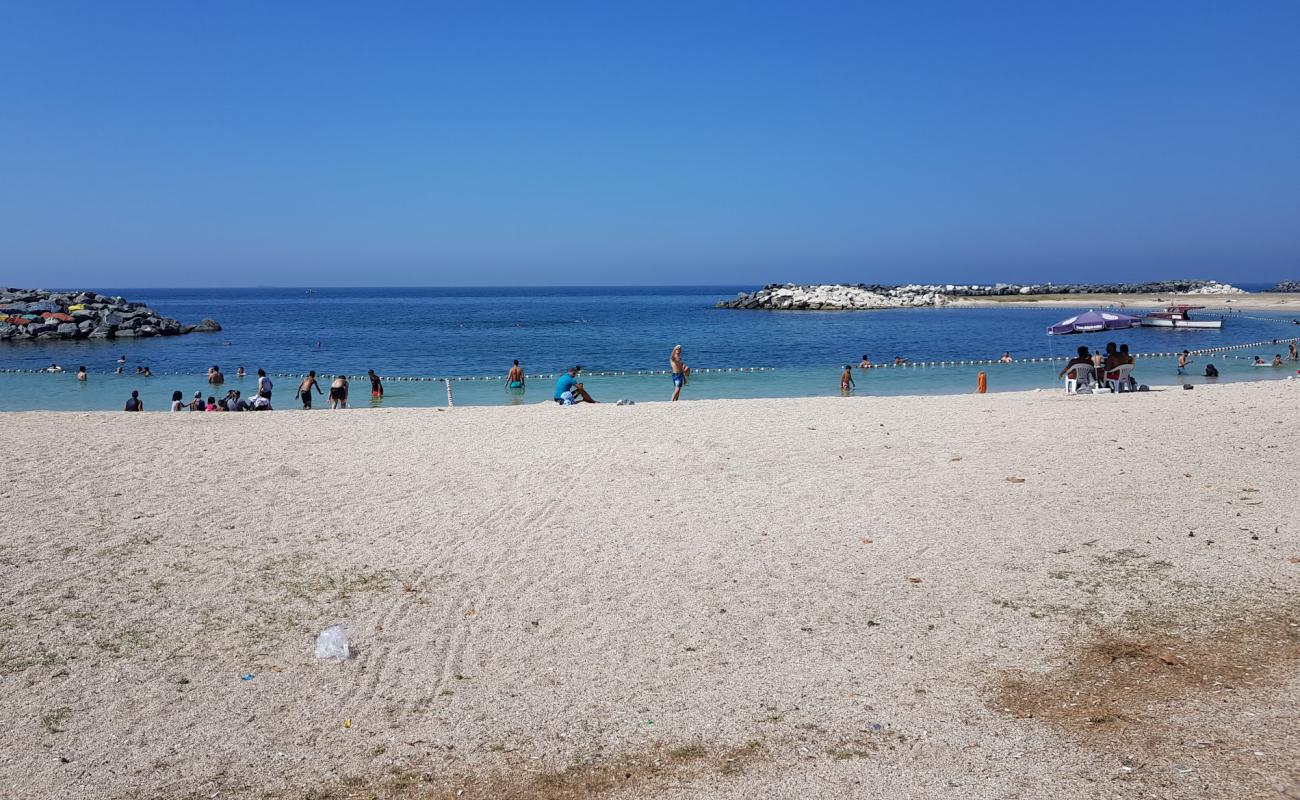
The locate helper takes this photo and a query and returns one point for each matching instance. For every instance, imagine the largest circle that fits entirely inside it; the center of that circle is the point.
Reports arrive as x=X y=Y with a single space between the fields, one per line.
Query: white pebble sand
x=764 y=598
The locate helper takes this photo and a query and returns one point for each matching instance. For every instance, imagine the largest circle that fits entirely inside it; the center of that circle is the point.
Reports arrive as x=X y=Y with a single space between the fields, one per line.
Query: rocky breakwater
x=32 y=314
x=1291 y=287
x=846 y=297
x=840 y=297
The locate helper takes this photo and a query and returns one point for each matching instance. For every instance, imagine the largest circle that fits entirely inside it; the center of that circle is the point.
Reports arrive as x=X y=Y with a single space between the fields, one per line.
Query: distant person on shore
x=846 y=380
x=214 y=375
x=568 y=391
x=197 y=403
x=1183 y=359
x=376 y=385
x=178 y=401
x=515 y=377
x=679 y=370
x=1006 y=358
x=339 y=392
x=304 y=389
x=866 y=362
x=239 y=373
x=133 y=402
x=81 y=372
x=263 y=384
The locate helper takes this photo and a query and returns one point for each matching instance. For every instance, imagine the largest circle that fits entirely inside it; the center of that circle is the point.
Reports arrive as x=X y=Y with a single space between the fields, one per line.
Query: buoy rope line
x=713 y=370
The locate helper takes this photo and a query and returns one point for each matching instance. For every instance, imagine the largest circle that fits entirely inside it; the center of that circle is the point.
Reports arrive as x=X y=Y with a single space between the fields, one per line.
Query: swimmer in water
x=846 y=380
x=81 y=373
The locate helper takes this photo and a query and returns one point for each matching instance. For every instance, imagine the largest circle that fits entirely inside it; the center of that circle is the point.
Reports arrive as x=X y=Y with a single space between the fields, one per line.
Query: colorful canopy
x=1094 y=321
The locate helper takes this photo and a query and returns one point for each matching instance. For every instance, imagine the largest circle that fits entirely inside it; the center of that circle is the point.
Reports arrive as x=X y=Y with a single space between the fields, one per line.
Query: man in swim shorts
x=679 y=370
x=339 y=392
x=304 y=388
x=515 y=377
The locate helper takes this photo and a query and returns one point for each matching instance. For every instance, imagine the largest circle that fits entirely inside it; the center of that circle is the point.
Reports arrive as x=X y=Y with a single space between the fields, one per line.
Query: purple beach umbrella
x=1094 y=321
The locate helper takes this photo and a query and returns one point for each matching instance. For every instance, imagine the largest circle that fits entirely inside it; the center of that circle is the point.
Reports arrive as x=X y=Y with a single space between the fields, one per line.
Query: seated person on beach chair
x=1079 y=370
x=568 y=391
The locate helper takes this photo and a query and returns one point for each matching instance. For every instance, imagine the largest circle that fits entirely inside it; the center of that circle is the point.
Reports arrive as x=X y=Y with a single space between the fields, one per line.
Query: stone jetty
x=848 y=297
x=1286 y=286
x=35 y=314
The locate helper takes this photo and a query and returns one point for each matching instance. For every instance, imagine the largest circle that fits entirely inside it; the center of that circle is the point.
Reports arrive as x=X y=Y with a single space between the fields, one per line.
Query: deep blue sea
x=466 y=332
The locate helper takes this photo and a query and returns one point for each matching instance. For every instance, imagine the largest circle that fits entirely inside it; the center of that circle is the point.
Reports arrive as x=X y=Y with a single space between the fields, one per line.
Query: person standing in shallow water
x=304 y=388
x=515 y=377
x=846 y=380
x=679 y=370
x=339 y=392
x=376 y=385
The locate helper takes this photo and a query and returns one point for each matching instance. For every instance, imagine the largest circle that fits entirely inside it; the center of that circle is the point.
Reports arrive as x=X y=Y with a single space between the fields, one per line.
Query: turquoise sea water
x=413 y=335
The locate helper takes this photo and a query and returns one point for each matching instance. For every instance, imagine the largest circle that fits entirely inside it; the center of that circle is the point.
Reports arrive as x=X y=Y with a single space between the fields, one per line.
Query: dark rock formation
x=27 y=314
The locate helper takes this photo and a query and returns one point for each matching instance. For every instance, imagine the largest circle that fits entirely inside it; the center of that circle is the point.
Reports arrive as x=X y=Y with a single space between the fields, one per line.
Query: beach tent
x=1094 y=321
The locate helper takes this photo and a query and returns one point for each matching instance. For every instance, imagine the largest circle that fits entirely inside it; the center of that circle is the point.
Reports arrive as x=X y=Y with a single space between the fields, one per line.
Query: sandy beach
x=1254 y=301
x=1015 y=596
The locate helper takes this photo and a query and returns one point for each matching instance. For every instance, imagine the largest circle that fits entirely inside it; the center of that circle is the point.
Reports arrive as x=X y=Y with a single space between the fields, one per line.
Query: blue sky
x=241 y=143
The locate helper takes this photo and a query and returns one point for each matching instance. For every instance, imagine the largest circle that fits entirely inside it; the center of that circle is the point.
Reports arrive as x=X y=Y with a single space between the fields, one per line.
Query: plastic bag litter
x=333 y=643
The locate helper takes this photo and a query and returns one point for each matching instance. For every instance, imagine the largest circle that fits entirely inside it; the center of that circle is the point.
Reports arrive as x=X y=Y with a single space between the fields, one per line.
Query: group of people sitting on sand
x=261 y=401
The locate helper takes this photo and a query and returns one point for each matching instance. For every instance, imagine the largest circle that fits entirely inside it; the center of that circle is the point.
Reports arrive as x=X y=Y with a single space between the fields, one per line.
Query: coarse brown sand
x=1002 y=596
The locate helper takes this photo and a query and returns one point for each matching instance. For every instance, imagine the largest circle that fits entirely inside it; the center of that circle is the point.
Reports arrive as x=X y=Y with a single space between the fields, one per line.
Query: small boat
x=1178 y=317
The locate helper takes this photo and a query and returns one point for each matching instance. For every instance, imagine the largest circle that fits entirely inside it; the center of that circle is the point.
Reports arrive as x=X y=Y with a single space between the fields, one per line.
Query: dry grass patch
x=643 y=773
x=1119 y=679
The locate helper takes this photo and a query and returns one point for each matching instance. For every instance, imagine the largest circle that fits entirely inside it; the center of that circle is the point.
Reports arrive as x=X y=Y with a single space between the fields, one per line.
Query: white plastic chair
x=1117 y=378
x=1078 y=374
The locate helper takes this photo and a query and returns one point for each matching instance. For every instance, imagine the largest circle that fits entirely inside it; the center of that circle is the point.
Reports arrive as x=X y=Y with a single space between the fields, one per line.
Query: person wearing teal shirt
x=568 y=391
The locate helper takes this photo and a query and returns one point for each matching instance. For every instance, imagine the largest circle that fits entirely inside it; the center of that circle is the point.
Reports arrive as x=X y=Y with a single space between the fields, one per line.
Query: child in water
x=846 y=380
